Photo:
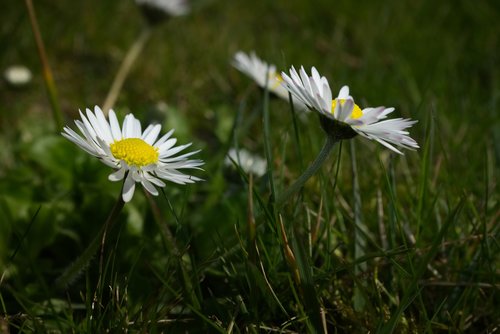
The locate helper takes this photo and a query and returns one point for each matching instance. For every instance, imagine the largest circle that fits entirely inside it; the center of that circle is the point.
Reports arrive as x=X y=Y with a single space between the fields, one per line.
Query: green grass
x=374 y=242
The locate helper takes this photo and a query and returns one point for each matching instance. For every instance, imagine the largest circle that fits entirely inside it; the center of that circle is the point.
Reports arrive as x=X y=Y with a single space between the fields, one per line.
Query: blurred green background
x=434 y=61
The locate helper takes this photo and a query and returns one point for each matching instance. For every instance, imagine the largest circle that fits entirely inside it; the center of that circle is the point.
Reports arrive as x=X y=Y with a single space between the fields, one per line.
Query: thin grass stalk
x=413 y=289
x=307 y=285
x=188 y=284
x=359 y=229
x=25 y=234
x=168 y=238
x=125 y=67
x=289 y=255
x=381 y=224
x=46 y=70
x=35 y=269
x=268 y=283
x=34 y=266
x=97 y=297
x=117 y=208
x=426 y=163
x=296 y=132
x=251 y=225
x=267 y=140
x=74 y=269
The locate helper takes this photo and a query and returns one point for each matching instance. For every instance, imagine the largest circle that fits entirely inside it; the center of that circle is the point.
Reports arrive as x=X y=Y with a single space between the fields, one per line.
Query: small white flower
x=314 y=91
x=133 y=152
x=168 y=7
x=247 y=161
x=262 y=72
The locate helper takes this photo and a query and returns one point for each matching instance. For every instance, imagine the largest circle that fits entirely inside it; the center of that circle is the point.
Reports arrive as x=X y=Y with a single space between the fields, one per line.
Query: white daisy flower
x=248 y=162
x=17 y=75
x=167 y=7
x=262 y=72
x=138 y=154
x=314 y=91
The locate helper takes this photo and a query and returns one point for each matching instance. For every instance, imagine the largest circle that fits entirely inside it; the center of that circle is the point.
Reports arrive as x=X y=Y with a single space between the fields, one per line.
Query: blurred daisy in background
x=138 y=156
x=343 y=118
x=159 y=10
x=262 y=73
x=248 y=162
x=17 y=75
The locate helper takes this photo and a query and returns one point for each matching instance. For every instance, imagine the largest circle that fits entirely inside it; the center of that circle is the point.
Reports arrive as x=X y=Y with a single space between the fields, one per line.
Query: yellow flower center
x=275 y=79
x=135 y=152
x=356 y=111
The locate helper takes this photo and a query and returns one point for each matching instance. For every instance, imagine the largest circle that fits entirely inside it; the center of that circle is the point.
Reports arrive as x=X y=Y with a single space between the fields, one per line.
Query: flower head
x=344 y=115
x=248 y=162
x=158 y=10
x=138 y=155
x=262 y=73
x=17 y=75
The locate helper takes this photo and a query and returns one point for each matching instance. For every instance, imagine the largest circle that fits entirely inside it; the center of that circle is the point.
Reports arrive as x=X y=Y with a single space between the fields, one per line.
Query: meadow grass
x=374 y=242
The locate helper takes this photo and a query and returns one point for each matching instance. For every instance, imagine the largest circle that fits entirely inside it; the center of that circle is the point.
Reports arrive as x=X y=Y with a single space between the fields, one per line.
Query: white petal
x=128 y=188
x=163 y=138
x=128 y=126
x=137 y=133
x=136 y=175
x=345 y=109
x=151 y=135
x=96 y=125
x=178 y=158
x=167 y=145
x=87 y=125
x=155 y=181
x=344 y=92
x=115 y=126
x=118 y=175
x=78 y=140
x=173 y=151
x=149 y=187
x=103 y=125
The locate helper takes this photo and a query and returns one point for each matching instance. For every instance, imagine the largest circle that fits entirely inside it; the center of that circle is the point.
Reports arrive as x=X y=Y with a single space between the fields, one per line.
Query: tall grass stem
x=47 y=72
x=74 y=269
x=359 y=231
x=267 y=139
x=129 y=60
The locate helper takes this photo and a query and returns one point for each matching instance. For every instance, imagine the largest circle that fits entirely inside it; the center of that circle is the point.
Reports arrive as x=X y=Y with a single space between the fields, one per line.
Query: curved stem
x=310 y=171
x=125 y=67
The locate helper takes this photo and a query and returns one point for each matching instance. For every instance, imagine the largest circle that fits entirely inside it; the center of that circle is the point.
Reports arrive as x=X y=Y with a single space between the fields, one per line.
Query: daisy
x=262 y=73
x=164 y=8
x=138 y=156
x=345 y=116
x=248 y=162
x=17 y=75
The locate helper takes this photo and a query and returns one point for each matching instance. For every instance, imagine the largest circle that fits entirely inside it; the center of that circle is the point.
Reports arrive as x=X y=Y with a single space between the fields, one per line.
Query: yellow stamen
x=275 y=79
x=135 y=152
x=356 y=110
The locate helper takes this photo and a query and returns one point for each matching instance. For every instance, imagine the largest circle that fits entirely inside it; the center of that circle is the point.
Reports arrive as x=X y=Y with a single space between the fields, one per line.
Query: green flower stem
x=47 y=72
x=310 y=171
x=129 y=60
x=82 y=262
